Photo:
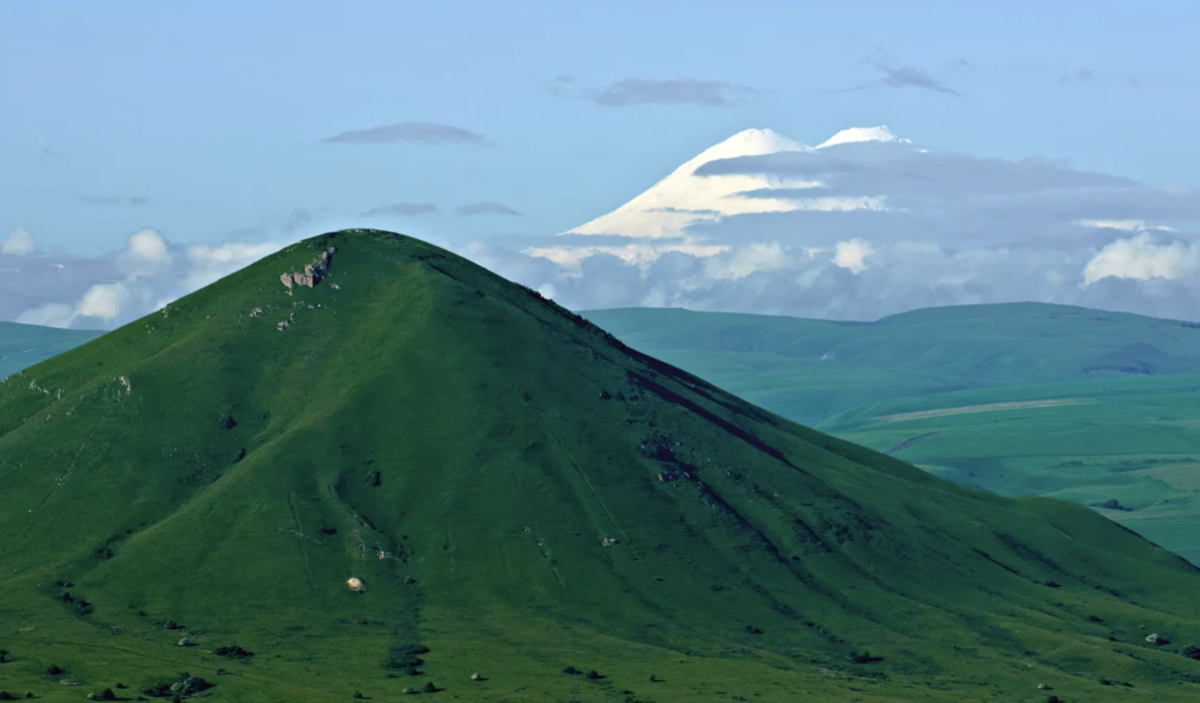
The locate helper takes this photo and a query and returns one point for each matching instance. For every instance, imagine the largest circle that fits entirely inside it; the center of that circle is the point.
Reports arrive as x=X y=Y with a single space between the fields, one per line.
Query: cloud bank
x=913 y=227
x=106 y=291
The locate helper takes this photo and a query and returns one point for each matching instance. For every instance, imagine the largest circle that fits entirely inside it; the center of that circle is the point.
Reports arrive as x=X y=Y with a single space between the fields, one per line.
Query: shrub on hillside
x=406 y=657
x=79 y=605
x=1191 y=652
x=6 y=696
x=233 y=652
x=5 y=657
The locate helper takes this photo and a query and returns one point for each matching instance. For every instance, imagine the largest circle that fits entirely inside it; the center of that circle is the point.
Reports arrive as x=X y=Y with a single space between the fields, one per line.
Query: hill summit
x=367 y=466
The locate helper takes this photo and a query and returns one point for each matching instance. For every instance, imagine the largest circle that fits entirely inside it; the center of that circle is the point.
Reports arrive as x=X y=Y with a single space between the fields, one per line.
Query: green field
x=520 y=493
x=1023 y=399
x=25 y=345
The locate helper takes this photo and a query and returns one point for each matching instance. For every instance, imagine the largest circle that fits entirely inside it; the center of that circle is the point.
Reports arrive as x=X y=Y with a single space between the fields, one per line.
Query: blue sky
x=210 y=122
x=214 y=112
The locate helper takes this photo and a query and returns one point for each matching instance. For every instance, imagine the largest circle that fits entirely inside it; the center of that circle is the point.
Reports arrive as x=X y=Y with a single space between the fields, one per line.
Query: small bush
x=571 y=670
x=6 y=696
x=429 y=687
x=233 y=651
x=105 y=695
x=863 y=657
x=79 y=605
x=593 y=675
x=5 y=656
x=406 y=657
x=1191 y=652
x=54 y=670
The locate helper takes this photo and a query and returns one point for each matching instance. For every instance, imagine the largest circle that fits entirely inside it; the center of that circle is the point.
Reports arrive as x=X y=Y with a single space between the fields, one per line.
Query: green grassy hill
x=25 y=345
x=1129 y=440
x=1021 y=399
x=519 y=493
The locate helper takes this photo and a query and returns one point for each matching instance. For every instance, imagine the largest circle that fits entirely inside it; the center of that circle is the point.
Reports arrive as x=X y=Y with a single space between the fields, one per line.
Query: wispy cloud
x=1087 y=76
x=299 y=218
x=631 y=92
x=677 y=91
x=488 y=208
x=560 y=87
x=401 y=210
x=105 y=200
x=412 y=132
x=902 y=76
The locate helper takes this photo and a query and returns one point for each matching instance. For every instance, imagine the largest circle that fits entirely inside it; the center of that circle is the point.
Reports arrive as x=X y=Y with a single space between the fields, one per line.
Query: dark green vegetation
x=523 y=498
x=1027 y=399
x=25 y=345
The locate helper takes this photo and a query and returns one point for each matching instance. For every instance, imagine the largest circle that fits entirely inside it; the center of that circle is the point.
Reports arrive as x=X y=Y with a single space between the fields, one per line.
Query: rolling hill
x=25 y=345
x=1020 y=399
x=810 y=370
x=392 y=470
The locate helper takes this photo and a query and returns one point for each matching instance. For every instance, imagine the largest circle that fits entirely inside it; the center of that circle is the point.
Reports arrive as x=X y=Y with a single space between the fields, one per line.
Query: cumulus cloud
x=487 y=208
x=412 y=132
x=1141 y=258
x=18 y=243
x=106 y=291
x=677 y=91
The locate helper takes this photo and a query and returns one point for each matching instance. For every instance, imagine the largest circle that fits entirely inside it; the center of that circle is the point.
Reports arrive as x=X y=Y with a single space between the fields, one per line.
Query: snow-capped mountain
x=661 y=215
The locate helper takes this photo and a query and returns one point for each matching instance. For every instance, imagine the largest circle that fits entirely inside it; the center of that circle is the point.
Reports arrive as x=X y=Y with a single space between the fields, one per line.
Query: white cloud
x=209 y=264
x=146 y=254
x=147 y=274
x=852 y=255
x=105 y=301
x=747 y=260
x=1142 y=259
x=19 y=243
x=49 y=315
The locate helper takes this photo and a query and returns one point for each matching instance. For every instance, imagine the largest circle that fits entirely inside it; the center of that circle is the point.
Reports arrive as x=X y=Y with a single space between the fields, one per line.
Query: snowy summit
x=666 y=210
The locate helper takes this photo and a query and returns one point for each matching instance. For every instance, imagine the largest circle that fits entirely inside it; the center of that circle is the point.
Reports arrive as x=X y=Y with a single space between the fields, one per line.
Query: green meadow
x=413 y=472
x=1022 y=399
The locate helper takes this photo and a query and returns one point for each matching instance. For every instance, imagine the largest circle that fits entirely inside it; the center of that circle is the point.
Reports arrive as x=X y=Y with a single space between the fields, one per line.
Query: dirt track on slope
x=992 y=407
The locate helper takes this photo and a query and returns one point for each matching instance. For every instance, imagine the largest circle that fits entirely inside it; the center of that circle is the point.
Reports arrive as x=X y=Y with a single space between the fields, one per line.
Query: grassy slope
x=486 y=442
x=1135 y=440
x=25 y=345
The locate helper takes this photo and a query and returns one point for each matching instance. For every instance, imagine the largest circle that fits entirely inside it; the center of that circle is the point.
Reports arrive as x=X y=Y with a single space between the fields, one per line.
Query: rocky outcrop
x=312 y=274
x=286 y=323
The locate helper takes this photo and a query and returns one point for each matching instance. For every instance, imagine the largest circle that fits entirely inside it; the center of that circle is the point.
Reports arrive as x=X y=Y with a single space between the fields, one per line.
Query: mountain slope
x=518 y=492
x=25 y=345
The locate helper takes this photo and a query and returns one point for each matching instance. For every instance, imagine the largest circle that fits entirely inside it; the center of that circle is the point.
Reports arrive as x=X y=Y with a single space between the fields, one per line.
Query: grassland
x=521 y=493
x=1024 y=399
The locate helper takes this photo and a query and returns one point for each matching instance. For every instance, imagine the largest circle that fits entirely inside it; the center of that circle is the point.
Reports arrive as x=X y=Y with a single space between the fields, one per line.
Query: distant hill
x=25 y=345
x=399 y=470
x=968 y=346
x=1018 y=399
